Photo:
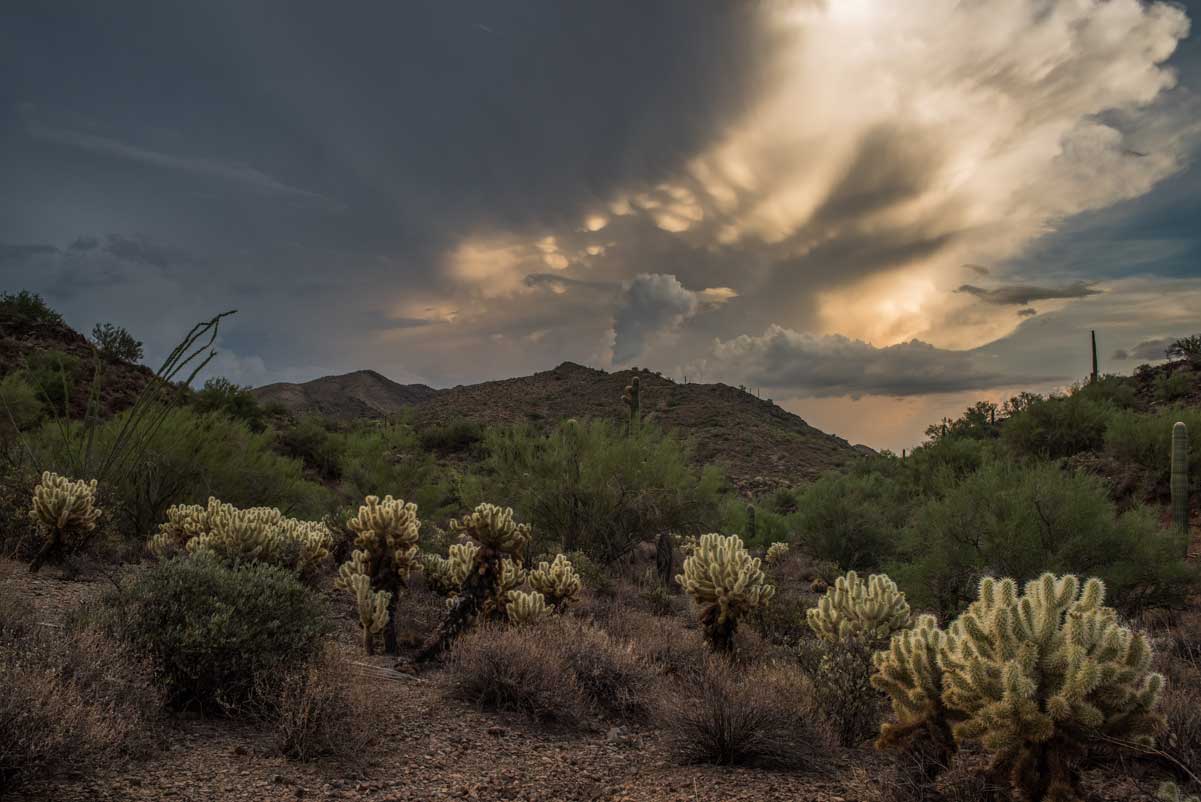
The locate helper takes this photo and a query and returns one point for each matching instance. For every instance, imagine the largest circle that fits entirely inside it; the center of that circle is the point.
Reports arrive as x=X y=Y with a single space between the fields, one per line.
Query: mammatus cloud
x=653 y=304
x=1023 y=294
x=807 y=365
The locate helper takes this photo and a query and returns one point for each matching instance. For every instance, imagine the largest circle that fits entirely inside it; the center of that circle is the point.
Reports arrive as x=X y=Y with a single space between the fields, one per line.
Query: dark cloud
x=1022 y=294
x=650 y=304
x=1147 y=350
x=19 y=253
x=979 y=270
x=798 y=364
x=141 y=251
x=85 y=244
x=1027 y=312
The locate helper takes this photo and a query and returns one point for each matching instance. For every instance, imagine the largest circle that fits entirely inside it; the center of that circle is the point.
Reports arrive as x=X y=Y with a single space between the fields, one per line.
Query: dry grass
x=323 y=709
x=608 y=672
x=516 y=670
x=762 y=717
x=665 y=643
x=69 y=698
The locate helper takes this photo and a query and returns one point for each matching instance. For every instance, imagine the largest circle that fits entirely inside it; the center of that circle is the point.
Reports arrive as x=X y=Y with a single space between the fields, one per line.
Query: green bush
x=382 y=459
x=53 y=375
x=1118 y=391
x=311 y=441
x=27 y=307
x=850 y=519
x=455 y=437
x=1057 y=427
x=1021 y=520
x=221 y=395
x=592 y=487
x=21 y=406
x=189 y=458
x=216 y=635
x=1173 y=387
x=1146 y=440
x=115 y=342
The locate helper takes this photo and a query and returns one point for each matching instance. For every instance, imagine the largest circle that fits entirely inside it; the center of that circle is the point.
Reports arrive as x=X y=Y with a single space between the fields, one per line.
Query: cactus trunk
x=1180 y=477
x=719 y=634
x=665 y=559
x=466 y=607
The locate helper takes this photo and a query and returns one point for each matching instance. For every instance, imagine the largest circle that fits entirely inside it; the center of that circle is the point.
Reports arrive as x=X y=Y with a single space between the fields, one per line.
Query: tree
x=115 y=342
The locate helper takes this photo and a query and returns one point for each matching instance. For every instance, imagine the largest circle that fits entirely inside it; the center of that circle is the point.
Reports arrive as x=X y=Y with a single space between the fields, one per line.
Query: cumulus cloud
x=1023 y=294
x=652 y=304
x=809 y=365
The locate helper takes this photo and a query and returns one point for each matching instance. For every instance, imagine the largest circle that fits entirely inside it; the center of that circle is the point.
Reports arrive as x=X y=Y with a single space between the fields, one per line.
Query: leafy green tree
x=115 y=342
x=27 y=307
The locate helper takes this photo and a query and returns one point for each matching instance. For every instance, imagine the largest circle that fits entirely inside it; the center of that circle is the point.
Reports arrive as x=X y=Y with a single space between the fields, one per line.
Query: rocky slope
x=362 y=394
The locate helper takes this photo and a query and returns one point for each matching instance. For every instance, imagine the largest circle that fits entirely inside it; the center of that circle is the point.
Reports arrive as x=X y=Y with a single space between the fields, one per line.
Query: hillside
x=361 y=394
x=760 y=445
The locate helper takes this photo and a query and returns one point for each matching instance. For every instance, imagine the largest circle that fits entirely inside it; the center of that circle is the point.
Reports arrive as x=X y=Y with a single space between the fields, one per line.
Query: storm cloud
x=1023 y=294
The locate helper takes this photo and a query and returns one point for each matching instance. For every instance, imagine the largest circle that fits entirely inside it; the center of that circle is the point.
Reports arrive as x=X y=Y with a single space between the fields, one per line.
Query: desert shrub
x=1120 y=392
x=664 y=643
x=851 y=520
x=216 y=635
x=783 y=622
x=20 y=406
x=929 y=469
x=311 y=441
x=1186 y=348
x=115 y=342
x=321 y=708
x=1019 y=521
x=517 y=670
x=53 y=375
x=590 y=486
x=758 y=528
x=1056 y=427
x=378 y=459
x=27 y=307
x=187 y=459
x=68 y=698
x=455 y=437
x=1180 y=737
x=1146 y=439
x=608 y=672
x=221 y=396
x=841 y=676
x=1172 y=387
x=764 y=717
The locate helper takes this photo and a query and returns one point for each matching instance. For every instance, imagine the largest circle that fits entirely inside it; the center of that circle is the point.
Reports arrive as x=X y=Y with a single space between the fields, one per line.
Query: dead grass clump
x=841 y=675
x=665 y=643
x=517 y=670
x=70 y=698
x=1181 y=738
x=764 y=717
x=609 y=673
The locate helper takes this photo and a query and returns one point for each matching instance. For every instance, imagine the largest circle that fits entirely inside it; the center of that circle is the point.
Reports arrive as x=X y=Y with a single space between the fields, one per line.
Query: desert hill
x=361 y=394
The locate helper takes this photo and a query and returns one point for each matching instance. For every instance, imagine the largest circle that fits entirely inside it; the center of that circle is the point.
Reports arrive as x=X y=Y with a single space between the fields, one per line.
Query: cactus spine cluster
x=557 y=581
x=232 y=535
x=776 y=552
x=633 y=399
x=1034 y=679
x=866 y=611
x=493 y=571
x=524 y=608
x=1180 y=477
x=386 y=535
x=726 y=581
x=65 y=514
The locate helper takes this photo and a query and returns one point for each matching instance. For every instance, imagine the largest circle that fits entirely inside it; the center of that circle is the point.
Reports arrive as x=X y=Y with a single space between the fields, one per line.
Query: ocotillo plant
x=633 y=400
x=1180 y=477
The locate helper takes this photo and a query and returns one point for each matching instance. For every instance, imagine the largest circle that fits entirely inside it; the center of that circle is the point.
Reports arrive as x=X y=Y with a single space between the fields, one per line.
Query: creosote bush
x=726 y=716
x=216 y=635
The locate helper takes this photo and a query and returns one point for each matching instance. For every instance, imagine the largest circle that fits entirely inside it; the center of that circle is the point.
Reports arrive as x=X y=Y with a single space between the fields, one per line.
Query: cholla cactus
x=868 y=611
x=526 y=608
x=373 y=608
x=232 y=535
x=557 y=581
x=723 y=577
x=65 y=514
x=462 y=560
x=775 y=553
x=438 y=573
x=491 y=567
x=386 y=534
x=908 y=671
x=686 y=543
x=1035 y=679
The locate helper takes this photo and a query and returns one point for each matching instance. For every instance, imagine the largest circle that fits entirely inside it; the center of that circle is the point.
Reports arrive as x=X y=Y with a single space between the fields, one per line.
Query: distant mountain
x=362 y=394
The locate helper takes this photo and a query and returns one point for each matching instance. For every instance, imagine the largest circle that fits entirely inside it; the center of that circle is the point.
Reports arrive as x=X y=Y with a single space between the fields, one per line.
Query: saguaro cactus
x=65 y=514
x=633 y=399
x=752 y=527
x=1092 y=377
x=1180 y=477
x=726 y=581
x=665 y=558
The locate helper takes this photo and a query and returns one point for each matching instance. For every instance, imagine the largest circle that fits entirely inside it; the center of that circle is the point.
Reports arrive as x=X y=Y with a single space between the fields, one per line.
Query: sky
x=874 y=213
